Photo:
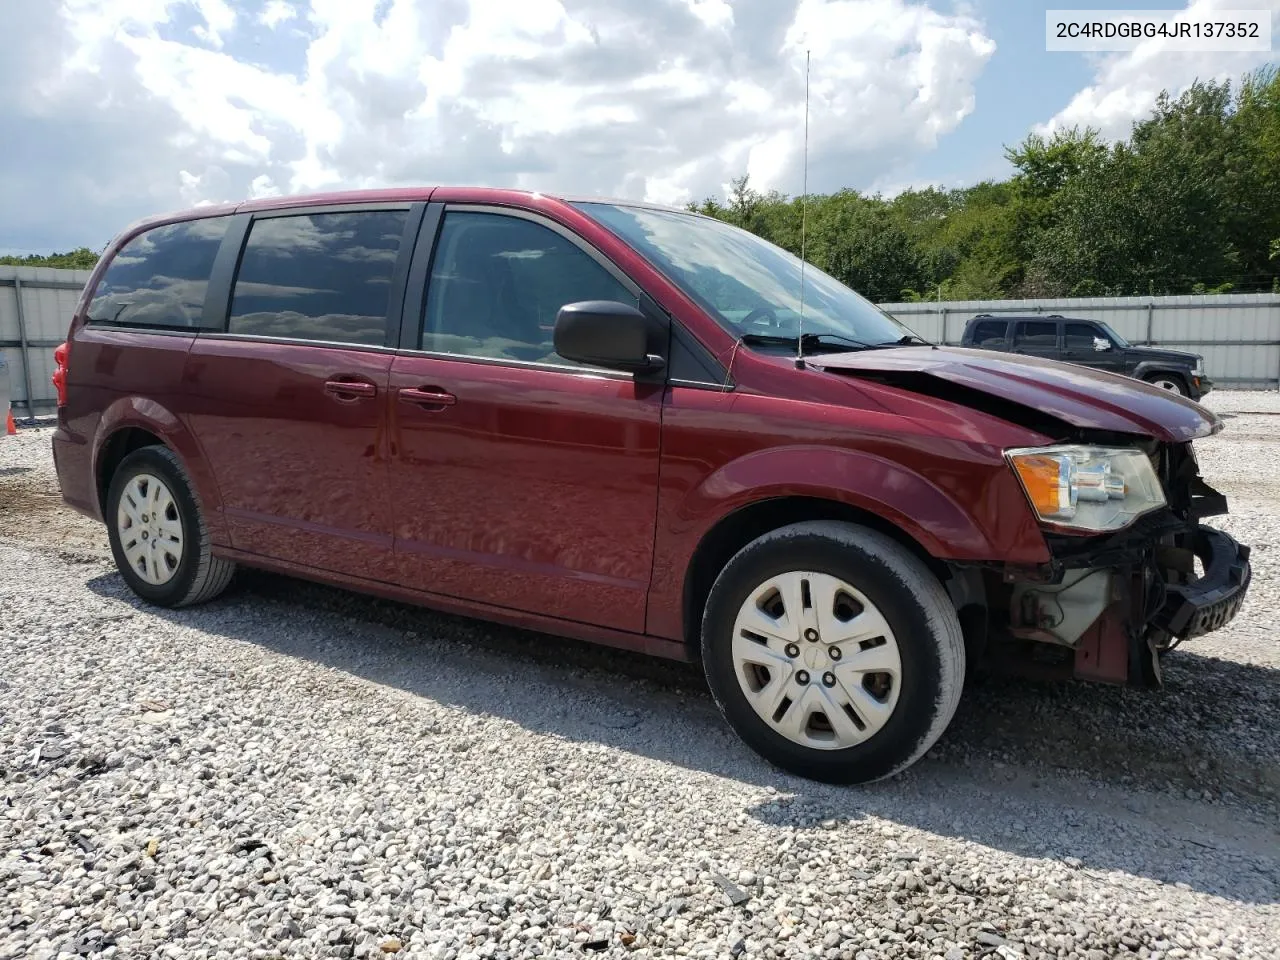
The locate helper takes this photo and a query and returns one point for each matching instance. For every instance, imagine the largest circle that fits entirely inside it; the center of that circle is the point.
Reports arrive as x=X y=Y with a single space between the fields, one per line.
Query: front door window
x=497 y=283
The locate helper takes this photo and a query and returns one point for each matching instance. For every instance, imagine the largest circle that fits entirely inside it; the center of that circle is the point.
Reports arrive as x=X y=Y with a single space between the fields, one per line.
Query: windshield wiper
x=809 y=341
x=832 y=342
x=910 y=340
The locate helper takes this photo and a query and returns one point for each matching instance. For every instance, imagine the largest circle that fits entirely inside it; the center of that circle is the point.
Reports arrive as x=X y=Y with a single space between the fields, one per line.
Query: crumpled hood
x=1078 y=396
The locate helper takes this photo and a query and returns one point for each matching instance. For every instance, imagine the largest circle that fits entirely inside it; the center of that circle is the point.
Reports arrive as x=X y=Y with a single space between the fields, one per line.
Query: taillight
x=59 y=377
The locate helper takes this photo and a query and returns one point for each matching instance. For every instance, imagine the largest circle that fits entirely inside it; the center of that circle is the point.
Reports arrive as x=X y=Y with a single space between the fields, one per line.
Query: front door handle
x=428 y=396
x=350 y=389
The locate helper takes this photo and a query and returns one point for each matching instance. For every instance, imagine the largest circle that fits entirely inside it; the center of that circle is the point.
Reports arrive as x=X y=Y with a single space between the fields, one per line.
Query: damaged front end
x=1108 y=606
x=1116 y=490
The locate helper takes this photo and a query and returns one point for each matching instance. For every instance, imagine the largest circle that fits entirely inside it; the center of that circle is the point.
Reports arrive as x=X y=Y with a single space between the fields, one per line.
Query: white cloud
x=263 y=186
x=194 y=190
x=714 y=13
x=219 y=19
x=1126 y=85
x=857 y=44
x=667 y=100
x=277 y=12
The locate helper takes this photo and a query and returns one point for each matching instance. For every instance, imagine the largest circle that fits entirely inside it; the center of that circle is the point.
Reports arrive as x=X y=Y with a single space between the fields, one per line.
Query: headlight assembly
x=1091 y=489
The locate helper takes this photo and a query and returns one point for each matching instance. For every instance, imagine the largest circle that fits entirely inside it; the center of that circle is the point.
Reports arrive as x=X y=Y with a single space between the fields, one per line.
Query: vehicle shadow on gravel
x=1108 y=777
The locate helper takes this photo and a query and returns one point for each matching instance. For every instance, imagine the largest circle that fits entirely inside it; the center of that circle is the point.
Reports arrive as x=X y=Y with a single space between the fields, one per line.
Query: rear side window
x=320 y=276
x=989 y=331
x=1036 y=333
x=159 y=278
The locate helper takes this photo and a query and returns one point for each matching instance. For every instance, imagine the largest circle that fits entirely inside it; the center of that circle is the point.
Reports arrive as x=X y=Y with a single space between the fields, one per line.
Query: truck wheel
x=1168 y=381
x=833 y=651
x=158 y=537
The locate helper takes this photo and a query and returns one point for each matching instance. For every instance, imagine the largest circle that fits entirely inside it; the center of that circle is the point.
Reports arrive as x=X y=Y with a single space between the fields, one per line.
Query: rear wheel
x=833 y=651
x=1168 y=381
x=158 y=537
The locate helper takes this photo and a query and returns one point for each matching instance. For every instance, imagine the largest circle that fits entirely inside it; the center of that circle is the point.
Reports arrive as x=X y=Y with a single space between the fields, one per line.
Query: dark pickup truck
x=1090 y=343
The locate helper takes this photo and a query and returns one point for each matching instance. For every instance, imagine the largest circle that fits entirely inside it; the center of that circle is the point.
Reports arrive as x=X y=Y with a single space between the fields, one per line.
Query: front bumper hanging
x=1202 y=605
x=1108 y=607
x=1112 y=612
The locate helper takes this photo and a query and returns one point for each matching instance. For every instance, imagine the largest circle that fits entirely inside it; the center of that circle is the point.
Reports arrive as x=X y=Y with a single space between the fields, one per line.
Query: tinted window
x=986 y=331
x=1080 y=336
x=497 y=283
x=159 y=278
x=322 y=276
x=1036 y=333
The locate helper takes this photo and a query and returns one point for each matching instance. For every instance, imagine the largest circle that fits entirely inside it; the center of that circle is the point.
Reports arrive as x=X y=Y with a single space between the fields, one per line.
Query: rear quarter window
x=160 y=277
x=988 y=332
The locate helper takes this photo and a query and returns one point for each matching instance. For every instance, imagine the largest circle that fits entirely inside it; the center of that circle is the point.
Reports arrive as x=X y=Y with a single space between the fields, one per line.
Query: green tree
x=1046 y=165
x=1252 y=179
x=858 y=241
x=82 y=258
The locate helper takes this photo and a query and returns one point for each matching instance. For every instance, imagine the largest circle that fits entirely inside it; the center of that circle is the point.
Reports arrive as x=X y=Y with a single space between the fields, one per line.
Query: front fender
x=142 y=413
x=1147 y=367
x=958 y=501
x=989 y=520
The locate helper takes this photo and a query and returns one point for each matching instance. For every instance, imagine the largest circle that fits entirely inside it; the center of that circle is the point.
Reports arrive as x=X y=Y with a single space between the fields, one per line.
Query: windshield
x=1116 y=338
x=748 y=284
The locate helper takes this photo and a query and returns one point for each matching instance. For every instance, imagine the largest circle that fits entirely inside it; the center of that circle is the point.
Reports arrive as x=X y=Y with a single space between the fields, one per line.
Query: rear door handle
x=428 y=396
x=350 y=389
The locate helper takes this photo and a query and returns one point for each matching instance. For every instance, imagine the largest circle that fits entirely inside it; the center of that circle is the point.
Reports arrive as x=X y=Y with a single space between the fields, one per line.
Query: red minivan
x=641 y=427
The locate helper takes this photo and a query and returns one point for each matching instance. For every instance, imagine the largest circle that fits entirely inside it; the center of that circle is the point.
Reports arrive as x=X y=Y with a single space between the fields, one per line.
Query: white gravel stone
x=341 y=777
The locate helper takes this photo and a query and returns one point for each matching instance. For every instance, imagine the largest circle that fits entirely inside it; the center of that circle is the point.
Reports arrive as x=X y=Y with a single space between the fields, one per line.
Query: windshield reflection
x=748 y=284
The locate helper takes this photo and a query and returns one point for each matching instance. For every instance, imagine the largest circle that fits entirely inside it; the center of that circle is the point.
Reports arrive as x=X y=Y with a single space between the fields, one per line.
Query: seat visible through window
x=498 y=282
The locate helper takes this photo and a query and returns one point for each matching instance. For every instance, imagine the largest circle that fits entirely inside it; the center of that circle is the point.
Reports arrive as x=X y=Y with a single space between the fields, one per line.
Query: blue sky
x=123 y=108
x=1022 y=86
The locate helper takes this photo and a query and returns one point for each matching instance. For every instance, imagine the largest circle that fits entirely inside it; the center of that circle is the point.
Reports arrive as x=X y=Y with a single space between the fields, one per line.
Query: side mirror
x=1101 y=345
x=605 y=333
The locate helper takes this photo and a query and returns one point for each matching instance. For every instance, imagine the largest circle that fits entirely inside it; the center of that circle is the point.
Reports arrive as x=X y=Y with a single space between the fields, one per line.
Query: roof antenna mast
x=804 y=209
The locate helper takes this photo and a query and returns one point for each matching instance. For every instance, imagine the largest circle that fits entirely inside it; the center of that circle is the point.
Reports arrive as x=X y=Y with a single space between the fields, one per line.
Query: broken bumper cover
x=1211 y=601
x=1115 y=608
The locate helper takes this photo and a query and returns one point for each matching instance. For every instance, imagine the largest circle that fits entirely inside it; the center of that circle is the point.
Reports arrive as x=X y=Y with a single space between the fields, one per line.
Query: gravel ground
x=297 y=771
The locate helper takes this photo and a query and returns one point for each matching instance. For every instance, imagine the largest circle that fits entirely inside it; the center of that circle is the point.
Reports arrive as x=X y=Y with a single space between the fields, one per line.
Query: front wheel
x=1169 y=381
x=833 y=651
x=158 y=537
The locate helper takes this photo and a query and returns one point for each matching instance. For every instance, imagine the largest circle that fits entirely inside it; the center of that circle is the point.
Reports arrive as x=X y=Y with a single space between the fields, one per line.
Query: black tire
x=917 y=609
x=1179 y=384
x=199 y=575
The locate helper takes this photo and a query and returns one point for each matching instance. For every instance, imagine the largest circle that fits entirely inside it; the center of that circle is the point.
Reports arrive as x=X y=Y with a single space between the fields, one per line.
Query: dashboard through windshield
x=749 y=285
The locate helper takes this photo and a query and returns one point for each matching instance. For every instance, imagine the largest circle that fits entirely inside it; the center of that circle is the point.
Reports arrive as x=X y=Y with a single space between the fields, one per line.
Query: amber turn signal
x=1047 y=480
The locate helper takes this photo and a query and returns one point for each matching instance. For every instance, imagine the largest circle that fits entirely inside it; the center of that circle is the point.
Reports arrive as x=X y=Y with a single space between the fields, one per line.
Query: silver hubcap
x=816 y=660
x=150 y=529
x=1167 y=385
